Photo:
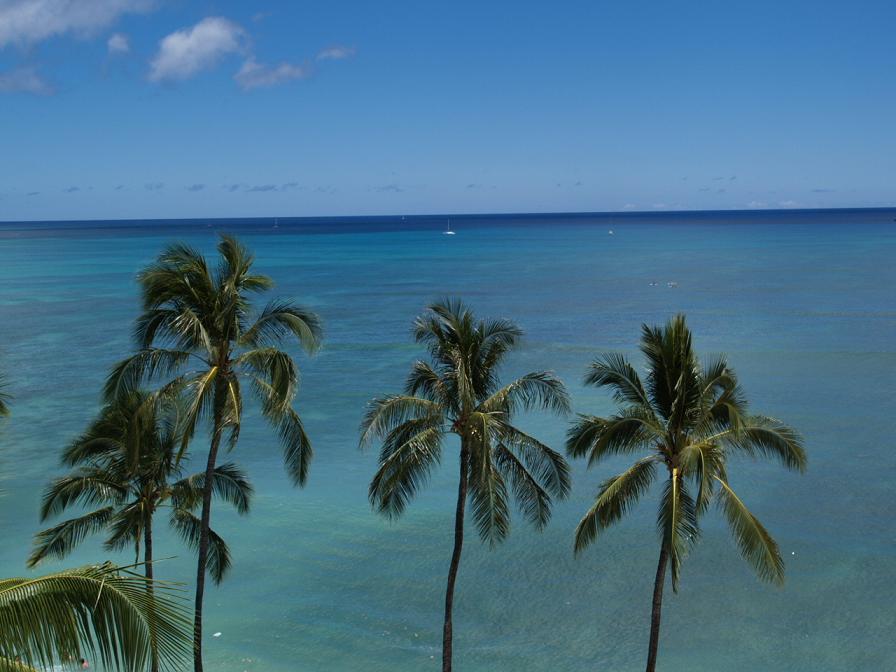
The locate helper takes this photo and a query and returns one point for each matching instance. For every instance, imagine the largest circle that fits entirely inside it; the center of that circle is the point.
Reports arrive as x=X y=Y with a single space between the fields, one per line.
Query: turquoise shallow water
x=803 y=303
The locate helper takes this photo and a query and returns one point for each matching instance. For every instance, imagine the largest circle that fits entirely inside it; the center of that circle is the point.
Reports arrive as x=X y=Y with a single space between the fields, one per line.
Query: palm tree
x=197 y=328
x=126 y=464
x=688 y=419
x=457 y=393
x=100 y=611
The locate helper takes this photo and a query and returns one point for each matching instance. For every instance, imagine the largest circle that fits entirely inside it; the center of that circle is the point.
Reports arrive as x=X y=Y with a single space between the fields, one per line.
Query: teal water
x=803 y=303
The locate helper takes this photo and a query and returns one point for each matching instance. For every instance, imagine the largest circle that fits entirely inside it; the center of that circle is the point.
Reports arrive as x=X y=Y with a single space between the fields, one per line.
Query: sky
x=215 y=108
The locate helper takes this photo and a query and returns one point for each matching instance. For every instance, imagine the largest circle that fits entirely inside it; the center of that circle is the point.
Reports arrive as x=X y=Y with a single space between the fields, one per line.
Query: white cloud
x=27 y=21
x=335 y=53
x=254 y=74
x=186 y=52
x=24 y=80
x=119 y=44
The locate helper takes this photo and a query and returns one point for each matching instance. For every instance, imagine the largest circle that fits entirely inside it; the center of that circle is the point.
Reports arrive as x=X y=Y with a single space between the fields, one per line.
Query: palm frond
x=231 y=484
x=409 y=453
x=614 y=371
x=60 y=540
x=189 y=528
x=753 y=540
x=488 y=498
x=386 y=413
x=631 y=430
x=533 y=390
x=533 y=500
x=128 y=374
x=769 y=437
x=281 y=318
x=677 y=523
x=297 y=450
x=617 y=495
x=100 y=612
x=546 y=465
x=87 y=487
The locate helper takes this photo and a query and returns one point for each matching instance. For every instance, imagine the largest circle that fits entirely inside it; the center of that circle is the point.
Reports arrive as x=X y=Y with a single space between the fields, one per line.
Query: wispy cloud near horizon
x=336 y=53
x=253 y=75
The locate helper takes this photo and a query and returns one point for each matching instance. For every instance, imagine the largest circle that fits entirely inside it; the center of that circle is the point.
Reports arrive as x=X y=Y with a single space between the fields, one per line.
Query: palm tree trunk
x=203 y=534
x=447 y=632
x=150 y=589
x=653 y=647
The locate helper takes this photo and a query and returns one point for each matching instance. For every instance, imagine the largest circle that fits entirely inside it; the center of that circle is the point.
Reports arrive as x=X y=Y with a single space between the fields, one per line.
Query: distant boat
x=448 y=231
x=610 y=232
x=276 y=223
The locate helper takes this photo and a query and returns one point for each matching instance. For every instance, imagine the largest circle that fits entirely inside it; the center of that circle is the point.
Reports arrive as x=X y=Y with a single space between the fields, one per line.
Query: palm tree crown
x=457 y=392
x=687 y=418
x=126 y=464
x=196 y=326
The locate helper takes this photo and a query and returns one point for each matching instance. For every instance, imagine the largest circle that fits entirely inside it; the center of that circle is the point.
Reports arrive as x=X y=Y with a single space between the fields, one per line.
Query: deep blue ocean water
x=804 y=304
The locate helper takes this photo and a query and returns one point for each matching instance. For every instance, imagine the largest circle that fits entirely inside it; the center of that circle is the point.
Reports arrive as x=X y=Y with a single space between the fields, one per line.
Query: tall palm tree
x=100 y=611
x=457 y=392
x=688 y=418
x=126 y=464
x=197 y=328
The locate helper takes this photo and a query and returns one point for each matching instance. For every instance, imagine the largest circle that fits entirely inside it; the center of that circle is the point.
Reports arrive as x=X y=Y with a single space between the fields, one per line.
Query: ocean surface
x=804 y=304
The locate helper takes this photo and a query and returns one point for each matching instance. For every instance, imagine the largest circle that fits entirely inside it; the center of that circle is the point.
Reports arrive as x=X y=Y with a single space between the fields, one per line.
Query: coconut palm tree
x=688 y=419
x=197 y=330
x=126 y=465
x=457 y=392
x=101 y=612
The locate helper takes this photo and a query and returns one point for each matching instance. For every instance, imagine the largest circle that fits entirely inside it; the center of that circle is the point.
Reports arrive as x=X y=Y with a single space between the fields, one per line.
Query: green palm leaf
x=617 y=495
x=98 y=611
x=753 y=540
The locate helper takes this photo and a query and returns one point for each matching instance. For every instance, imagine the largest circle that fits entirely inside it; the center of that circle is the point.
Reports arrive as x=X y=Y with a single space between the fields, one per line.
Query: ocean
x=803 y=303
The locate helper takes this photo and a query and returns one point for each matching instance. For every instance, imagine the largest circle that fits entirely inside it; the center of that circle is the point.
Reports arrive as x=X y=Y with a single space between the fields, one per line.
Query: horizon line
x=473 y=215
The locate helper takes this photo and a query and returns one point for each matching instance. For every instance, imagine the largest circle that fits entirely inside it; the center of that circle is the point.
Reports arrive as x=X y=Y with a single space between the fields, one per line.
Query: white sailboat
x=448 y=231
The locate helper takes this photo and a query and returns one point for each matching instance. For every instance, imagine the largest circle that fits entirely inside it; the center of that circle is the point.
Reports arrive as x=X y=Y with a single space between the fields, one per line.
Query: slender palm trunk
x=653 y=647
x=203 y=533
x=150 y=589
x=447 y=633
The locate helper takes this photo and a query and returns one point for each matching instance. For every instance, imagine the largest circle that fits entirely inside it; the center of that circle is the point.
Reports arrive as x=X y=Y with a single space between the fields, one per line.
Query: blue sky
x=175 y=108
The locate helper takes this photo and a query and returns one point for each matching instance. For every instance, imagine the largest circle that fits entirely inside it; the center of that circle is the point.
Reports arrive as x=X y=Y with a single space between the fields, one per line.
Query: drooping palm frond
x=409 y=453
x=60 y=540
x=617 y=495
x=488 y=498
x=99 y=612
x=768 y=437
x=753 y=540
x=189 y=527
x=677 y=524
